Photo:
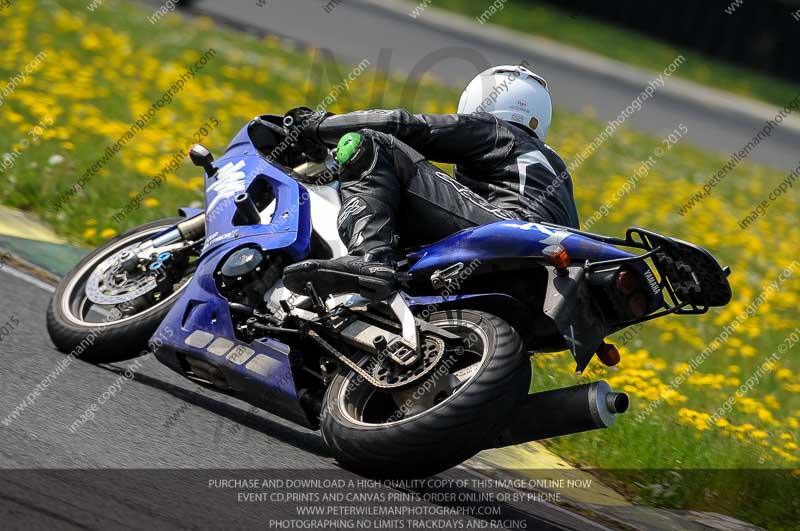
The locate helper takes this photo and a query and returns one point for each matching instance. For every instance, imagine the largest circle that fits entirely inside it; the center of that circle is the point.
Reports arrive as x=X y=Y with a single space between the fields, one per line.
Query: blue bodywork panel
x=510 y=239
x=260 y=370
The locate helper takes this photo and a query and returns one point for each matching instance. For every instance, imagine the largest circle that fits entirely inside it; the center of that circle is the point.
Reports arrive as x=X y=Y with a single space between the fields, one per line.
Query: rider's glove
x=303 y=123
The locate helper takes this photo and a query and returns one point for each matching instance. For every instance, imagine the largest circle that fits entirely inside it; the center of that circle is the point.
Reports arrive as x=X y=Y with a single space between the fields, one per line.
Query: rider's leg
x=387 y=185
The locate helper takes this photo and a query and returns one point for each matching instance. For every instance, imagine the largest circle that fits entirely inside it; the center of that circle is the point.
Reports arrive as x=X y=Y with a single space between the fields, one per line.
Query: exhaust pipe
x=563 y=411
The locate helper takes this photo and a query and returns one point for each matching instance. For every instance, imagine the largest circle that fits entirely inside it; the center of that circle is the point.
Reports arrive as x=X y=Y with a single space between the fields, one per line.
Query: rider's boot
x=347 y=274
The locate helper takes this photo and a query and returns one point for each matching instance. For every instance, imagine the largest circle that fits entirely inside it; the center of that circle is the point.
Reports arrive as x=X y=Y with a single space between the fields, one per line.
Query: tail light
x=627 y=282
x=630 y=284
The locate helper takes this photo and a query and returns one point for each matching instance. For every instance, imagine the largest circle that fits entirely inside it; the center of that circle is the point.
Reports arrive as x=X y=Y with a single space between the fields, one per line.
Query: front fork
x=190 y=229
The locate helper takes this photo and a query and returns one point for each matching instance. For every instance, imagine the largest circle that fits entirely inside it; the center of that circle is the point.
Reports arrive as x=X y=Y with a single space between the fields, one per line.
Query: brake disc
x=110 y=284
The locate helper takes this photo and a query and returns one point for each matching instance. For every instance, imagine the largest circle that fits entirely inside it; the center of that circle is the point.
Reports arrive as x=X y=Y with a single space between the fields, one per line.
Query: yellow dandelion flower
x=748 y=405
x=13 y=117
x=91 y=41
x=748 y=351
x=689 y=417
x=681 y=368
x=765 y=416
x=108 y=233
x=89 y=233
x=151 y=202
x=772 y=402
x=787 y=456
x=144 y=166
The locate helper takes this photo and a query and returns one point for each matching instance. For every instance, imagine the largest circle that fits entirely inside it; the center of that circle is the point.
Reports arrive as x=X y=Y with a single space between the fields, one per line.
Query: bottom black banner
x=336 y=499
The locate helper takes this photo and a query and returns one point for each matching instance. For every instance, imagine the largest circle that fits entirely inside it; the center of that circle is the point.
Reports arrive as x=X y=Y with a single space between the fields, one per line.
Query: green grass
x=630 y=47
x=104 y=68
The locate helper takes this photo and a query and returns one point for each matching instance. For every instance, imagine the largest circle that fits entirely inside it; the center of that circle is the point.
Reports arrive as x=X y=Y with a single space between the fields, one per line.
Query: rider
x=389 y=189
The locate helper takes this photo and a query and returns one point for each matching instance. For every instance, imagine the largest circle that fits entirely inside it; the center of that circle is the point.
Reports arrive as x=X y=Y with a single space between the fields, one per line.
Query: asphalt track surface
x=354 y=30
x=210 y=433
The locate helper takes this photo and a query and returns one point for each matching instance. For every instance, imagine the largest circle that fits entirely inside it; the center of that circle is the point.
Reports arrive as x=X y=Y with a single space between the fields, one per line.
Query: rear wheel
x=440 y=421
x=109 y=305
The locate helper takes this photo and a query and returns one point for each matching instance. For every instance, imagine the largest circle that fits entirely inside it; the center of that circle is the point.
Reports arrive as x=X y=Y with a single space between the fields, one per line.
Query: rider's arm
x=472 y=139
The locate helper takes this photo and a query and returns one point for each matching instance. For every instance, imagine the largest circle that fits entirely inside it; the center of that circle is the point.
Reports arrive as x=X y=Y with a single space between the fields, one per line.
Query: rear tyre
x=74 y=323
x=360 y=424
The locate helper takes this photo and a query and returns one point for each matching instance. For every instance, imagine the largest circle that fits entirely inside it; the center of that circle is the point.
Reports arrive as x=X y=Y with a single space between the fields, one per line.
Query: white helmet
x=512 y=93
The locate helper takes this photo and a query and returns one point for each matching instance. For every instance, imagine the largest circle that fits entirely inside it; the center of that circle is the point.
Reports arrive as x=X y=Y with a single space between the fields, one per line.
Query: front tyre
x=440 y=422
x=107 y=308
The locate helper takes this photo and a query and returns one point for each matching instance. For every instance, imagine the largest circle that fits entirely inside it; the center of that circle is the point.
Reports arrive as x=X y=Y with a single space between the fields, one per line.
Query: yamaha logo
x=230 y=182
x=651 y=280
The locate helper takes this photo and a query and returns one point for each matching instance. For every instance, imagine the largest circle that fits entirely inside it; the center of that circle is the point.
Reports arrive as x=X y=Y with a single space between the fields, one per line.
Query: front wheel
x=439 y=422
x=108 y=306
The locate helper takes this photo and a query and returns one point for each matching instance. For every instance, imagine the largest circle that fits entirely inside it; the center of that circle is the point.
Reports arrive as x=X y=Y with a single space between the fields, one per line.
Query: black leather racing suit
x=503 y=171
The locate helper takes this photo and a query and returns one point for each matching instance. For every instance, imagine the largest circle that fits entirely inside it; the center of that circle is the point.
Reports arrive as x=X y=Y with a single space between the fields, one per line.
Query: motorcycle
x=407 y=381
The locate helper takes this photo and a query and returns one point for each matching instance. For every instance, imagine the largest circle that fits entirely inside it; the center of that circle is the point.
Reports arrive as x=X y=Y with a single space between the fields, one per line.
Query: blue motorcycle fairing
x=190 y=212
x=237 y=170
x=199 y=324
x=509 y=239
